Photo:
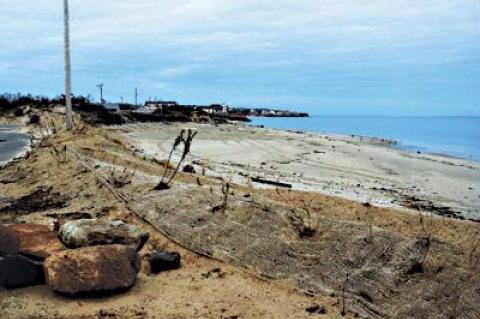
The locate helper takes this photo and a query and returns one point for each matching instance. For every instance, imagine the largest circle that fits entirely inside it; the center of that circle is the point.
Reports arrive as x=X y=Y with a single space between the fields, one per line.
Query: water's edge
x=14 y=144
x=452 y=137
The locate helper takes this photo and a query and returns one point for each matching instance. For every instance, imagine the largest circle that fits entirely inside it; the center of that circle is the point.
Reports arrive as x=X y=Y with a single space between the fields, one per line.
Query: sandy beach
x=357 y=168
x=269 y=252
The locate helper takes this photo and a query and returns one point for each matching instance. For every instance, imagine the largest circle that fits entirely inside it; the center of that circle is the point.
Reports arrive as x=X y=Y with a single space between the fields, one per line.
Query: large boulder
x=90 y=270
x=17 y=271
x=35 y=241
x=91 y=232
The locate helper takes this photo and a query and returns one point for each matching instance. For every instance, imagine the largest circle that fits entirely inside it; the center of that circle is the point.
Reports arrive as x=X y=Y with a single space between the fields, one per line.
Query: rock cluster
x=88 y=256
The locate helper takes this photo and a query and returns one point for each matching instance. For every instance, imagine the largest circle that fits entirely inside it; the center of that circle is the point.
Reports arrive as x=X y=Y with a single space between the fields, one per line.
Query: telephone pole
x=100 y=86
x=136 y=97
x=68 y=68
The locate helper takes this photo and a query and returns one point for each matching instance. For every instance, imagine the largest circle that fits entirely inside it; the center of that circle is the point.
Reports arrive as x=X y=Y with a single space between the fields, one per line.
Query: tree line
x=9 y=101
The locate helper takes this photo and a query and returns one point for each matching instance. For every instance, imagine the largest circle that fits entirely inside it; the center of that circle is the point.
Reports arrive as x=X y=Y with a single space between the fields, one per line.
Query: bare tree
x=186 y=138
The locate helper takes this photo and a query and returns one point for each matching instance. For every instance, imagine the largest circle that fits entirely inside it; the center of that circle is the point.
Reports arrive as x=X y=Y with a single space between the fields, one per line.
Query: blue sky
x=396 y=57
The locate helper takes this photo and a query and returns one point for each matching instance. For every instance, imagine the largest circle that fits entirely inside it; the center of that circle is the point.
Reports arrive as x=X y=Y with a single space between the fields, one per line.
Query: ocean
x=456 y=136
x=12 y=143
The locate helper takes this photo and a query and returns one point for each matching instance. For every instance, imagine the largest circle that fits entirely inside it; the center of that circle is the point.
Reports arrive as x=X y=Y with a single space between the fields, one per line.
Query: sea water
x=12 y=143
x=448 y=135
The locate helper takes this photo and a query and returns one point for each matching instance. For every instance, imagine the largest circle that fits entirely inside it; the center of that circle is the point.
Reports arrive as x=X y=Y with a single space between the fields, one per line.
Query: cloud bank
x=325 y=57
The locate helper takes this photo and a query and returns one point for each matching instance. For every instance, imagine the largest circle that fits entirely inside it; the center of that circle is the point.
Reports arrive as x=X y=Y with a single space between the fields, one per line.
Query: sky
x=336 y=57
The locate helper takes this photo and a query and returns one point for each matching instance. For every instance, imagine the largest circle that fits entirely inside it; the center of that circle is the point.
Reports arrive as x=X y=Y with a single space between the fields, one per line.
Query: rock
x=189 y=169
x=34 y=119
x=17 y=271
x=90 y=270
x=9 y=243
x=35 y=241
x=24 y=110
x=91 y=232
x=316 y=310
x=215 y=273
x=59 y=109
x=163 y=260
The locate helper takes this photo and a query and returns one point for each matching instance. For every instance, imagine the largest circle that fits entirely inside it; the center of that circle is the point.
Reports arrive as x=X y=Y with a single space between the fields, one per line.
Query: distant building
x=268 y=113
x=158 y=105
x=216 y=108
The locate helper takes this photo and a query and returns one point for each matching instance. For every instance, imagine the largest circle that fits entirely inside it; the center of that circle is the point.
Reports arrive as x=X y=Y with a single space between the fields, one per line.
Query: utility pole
x=136 y=97
x=100 y=86
x=121 y=99
x=68 y=68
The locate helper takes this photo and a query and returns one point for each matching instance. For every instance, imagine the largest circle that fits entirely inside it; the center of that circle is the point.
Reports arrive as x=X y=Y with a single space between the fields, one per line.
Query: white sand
x=362 y=170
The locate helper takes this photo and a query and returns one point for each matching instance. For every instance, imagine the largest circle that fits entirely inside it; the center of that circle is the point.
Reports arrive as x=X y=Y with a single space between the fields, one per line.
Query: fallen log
x=269 y=182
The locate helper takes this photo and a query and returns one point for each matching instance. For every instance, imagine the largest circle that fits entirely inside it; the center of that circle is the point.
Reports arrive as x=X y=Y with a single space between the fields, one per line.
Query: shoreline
x=20 y=151
x=399 y=138
x=372 y=140
x=362 y=170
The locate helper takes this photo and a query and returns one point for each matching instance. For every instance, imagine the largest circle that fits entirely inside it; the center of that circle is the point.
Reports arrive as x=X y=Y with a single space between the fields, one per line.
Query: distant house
x=216 y=108
x=159 y=105
x=268 y=113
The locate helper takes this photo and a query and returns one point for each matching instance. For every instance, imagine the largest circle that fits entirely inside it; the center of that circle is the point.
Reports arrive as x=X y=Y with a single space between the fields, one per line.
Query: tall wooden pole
x=136 y=97
x=68 y=69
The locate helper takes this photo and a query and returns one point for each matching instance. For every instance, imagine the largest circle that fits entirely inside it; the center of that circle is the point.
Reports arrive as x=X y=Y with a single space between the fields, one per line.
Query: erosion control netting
x=374 y=271
x=265 y=238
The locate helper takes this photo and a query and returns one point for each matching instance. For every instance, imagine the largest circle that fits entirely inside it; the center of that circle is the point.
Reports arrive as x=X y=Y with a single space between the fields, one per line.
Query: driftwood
x=269 y=182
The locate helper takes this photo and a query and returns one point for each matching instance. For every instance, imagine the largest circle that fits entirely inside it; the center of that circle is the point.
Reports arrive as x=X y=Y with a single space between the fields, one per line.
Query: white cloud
x=160 y=41
x=177 y=70
x=227 y=24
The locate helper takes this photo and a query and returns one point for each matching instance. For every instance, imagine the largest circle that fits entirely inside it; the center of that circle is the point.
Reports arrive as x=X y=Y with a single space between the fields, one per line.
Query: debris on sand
x=99 y=269
x=91 y=232
x=189 y=169
x=40 y=200
x=316 y=310
x=269 y=182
